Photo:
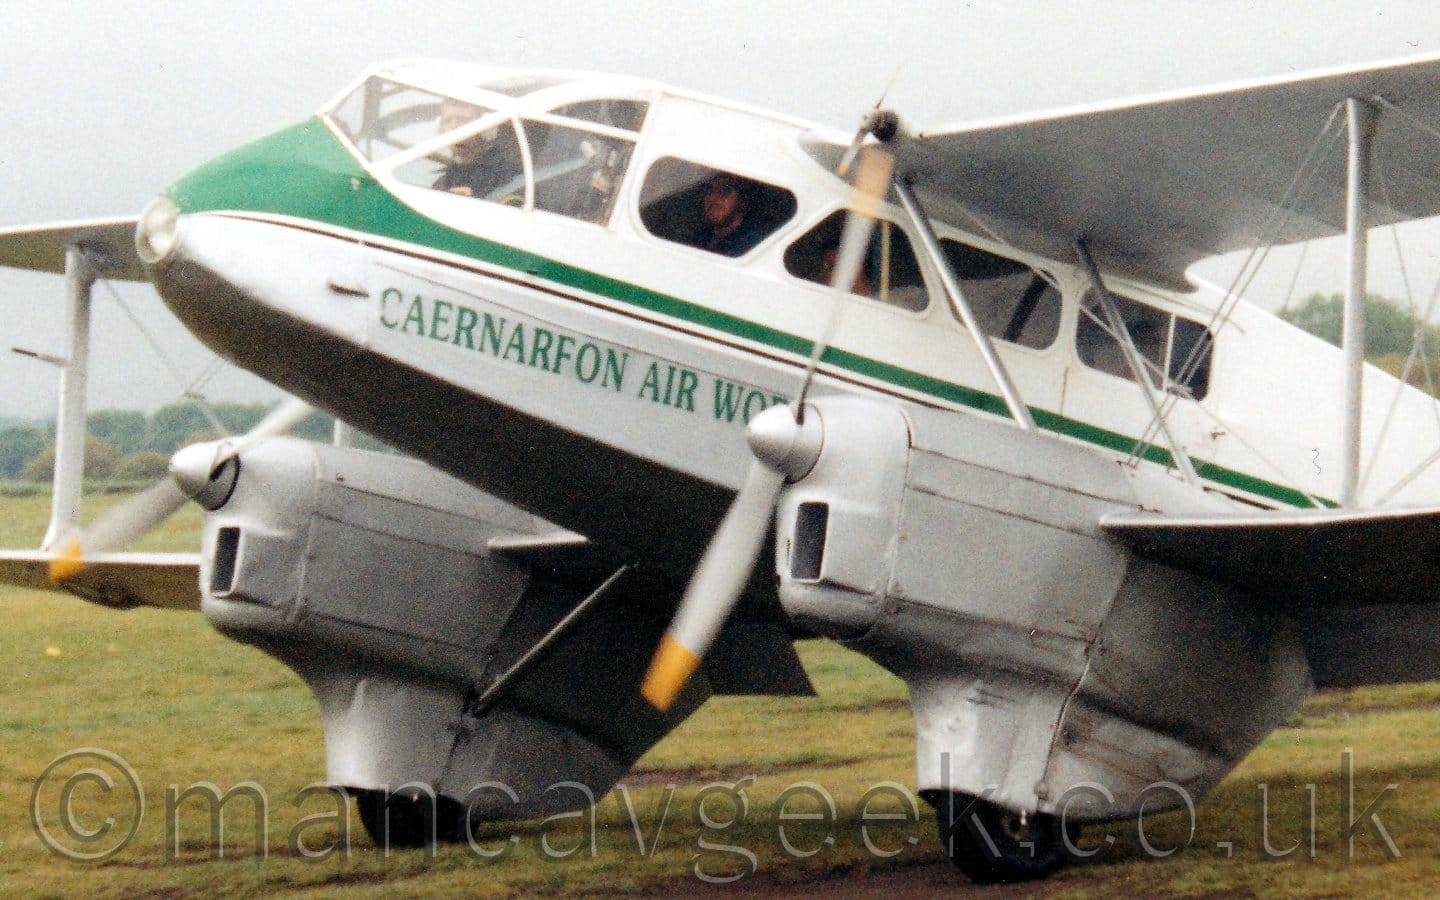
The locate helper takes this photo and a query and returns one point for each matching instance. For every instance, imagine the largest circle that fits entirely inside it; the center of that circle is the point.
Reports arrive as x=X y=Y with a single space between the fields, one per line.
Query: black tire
x=404 y=821
x=991 y=845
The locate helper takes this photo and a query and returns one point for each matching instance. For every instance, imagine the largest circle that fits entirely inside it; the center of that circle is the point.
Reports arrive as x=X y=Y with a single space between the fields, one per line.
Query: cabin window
x=1177 y=351
x=577 y=172
x=1013 y=302
x=889 y=272
x=711 y=209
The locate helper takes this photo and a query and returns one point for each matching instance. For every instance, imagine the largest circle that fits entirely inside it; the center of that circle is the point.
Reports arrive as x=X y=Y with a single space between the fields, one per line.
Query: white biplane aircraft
x=1002 y=445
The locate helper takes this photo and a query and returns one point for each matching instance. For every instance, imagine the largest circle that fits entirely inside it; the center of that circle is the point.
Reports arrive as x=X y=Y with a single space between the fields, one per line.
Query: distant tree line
x=125 y=445
x=1391 y=330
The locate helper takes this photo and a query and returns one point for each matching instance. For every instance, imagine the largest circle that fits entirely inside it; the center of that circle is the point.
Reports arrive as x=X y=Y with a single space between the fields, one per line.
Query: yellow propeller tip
x=669 y=670
x=68 y=562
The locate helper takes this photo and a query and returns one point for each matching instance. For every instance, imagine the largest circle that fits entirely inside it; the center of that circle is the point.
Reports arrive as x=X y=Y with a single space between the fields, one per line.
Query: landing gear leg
x=991 y=844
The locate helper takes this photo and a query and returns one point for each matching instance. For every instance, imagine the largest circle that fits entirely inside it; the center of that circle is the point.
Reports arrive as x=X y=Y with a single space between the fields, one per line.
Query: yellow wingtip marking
x=68 y=562
x=669 y=670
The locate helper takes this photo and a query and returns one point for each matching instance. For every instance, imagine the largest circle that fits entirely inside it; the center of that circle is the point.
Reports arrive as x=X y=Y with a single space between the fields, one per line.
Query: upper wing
x=119 y=580
x=1154 y=183
x=1323 y=556
x=42 y=247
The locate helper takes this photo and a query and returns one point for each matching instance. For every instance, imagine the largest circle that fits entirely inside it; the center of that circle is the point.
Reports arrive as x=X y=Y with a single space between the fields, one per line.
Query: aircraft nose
x=156 y=230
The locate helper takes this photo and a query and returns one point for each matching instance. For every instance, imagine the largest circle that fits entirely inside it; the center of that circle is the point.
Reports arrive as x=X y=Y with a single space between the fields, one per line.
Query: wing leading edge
x=1342 y=558
x=1154 y=183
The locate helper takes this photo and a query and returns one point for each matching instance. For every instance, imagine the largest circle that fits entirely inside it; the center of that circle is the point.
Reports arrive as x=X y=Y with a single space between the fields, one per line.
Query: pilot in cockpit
x=479 y=164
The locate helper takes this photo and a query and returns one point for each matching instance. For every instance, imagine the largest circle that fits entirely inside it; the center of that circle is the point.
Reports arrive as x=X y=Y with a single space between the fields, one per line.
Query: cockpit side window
x=889 y=272
x=485 y=164
x=1176 y=350
x=627 y=115
x=711 y=209
x=577 y=171
x=382 y=118
x=1013 y=302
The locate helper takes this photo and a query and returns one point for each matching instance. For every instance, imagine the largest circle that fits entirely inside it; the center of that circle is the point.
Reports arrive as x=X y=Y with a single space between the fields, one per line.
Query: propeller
x=882 y=123
x=204 y=472
x=783 y=445
x=872 y=181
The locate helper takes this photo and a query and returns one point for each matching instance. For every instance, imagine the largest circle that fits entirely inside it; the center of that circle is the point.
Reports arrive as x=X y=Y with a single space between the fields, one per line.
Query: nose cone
x=155 y=233
x=206 y=472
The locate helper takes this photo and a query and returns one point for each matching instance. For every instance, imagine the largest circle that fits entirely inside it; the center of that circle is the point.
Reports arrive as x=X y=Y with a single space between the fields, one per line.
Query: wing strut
x=1136 y=363
x=80 y=275
x=961 y=307
x=500 y=686
x=1361 y=119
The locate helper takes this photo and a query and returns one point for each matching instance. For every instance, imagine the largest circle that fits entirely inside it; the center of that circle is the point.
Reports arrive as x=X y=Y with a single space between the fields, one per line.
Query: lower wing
x=1327 y=557
x=117 y=580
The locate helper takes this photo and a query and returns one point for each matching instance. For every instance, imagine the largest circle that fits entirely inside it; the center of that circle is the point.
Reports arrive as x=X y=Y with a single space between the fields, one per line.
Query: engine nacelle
x=372 y=577
x=966 y=556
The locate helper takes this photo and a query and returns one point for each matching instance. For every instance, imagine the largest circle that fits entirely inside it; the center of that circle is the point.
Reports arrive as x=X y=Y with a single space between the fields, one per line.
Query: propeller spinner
x=202 y=472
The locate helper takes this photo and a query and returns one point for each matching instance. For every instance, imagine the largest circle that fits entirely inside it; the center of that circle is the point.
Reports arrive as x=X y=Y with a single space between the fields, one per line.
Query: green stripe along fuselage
x=304 y=172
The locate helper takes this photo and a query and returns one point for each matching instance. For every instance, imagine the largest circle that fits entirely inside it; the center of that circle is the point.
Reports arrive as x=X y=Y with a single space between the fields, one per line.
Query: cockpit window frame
x=474 y=95
x=532 y=178
x=497 y=110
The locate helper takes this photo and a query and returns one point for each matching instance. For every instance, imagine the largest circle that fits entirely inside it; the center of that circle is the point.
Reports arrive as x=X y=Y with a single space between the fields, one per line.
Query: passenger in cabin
x=726 y=225
x=479 y=164
x=888 y=272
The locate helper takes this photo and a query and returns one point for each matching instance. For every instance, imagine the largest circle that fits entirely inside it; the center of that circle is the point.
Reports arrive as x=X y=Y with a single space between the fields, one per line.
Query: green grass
x=184 y=706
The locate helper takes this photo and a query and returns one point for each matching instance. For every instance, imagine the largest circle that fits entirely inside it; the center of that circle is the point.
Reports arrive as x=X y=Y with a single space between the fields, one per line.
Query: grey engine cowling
x=374 y=578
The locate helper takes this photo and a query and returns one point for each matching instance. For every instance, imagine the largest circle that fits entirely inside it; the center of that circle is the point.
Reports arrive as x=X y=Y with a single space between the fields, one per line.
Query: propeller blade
x=872 y=182
x=277 y=421
x=118 y=527
x=132 y=519
x=715 y=587
x=848 y=159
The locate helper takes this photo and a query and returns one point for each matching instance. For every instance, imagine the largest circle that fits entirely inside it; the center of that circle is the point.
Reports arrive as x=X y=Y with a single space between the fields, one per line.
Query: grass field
x=185 y=707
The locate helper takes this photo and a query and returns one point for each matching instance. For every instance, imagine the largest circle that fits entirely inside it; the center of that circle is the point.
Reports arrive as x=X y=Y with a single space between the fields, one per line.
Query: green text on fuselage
x=579 y=358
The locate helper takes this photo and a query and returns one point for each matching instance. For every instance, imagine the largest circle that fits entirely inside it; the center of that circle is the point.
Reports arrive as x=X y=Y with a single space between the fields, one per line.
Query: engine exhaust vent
x=227 y=553
x=808 y=555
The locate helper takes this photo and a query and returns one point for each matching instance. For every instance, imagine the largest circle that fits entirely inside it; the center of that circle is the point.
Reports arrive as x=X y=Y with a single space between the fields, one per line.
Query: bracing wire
x=1416 y=342
x=175 y=373
x=1302 y=182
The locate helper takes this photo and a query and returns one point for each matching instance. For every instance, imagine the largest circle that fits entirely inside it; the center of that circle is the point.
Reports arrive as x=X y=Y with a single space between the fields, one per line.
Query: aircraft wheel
x=401 y=821
x=990 y=844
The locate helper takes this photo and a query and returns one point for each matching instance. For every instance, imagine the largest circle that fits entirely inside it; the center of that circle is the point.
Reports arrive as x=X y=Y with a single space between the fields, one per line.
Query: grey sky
x=105 y=104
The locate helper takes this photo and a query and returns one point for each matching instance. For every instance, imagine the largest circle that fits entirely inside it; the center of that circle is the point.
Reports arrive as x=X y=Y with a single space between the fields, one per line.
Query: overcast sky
x=106 y=103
